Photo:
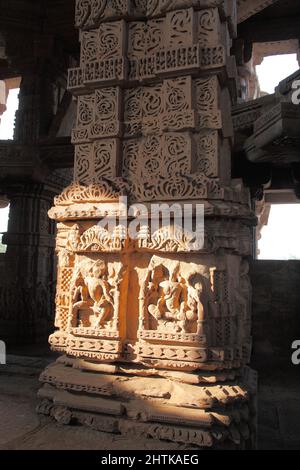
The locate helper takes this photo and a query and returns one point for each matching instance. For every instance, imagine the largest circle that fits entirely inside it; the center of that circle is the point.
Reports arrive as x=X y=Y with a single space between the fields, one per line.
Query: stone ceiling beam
x=248 y=8
x=19 y=14
x=274 y=29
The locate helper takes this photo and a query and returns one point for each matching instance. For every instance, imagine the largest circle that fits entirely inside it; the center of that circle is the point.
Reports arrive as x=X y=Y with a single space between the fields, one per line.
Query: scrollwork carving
x=181 y=27
x=83 y=162
x=209 y=27
x=107 y=113
x=207 y=153
x=111 y=40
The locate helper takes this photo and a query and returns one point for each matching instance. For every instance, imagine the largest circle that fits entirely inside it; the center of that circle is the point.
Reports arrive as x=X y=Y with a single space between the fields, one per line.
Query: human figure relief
x=94 y=292
x=173 y=299
x=163 y=296
x=197 y=301
x=194 y=304
x=73 y=239
x=177 y=304
x=154 y=279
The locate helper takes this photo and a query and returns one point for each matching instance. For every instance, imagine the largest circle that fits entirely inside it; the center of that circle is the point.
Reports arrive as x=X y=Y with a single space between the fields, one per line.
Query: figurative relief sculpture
x=93 y=302
x=174 y=304
x=155 y=334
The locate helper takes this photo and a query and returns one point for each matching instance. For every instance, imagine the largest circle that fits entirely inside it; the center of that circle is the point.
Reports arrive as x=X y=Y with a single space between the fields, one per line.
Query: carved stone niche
x=91 y=294
x=191 y=314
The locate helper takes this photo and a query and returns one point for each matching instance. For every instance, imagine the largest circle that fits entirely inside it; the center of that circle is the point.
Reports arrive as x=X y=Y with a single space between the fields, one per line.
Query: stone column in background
x=26 y=289
x=155 y=333
x=2 y=98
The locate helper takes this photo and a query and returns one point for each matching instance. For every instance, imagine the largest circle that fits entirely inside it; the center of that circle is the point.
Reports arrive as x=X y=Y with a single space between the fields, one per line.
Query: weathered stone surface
x=22 y=429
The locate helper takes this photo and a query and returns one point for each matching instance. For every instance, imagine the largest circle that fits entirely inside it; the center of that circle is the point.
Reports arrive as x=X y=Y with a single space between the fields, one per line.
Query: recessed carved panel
x=111 y=40
x=207 y=96
x=152 y=108
x=85 y=112
x=106 y=154
x=209 y=27
x=97 y=160
x=89 y=46
x=181 y=28
x=131 y=164
x=107 y=113
x=95 y=295
x=83 y=163
x=178 y=154
x=137 y=32
x=151 y=156
x=133 y=113
x=207 y=153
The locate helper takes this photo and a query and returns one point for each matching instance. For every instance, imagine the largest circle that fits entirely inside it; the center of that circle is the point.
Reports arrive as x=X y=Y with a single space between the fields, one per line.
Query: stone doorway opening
x=279 y=236
x=10 y=91
x=274 y=69
x=4 y=216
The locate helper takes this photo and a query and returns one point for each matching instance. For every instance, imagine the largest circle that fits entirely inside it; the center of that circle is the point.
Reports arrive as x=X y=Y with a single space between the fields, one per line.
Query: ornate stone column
x=3 y=97
x=155 y=333
x=26 y=289
x=36 y=106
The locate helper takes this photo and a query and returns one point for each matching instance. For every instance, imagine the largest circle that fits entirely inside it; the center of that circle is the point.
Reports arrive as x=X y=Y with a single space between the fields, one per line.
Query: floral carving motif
x=95 y=239
x=104 y=191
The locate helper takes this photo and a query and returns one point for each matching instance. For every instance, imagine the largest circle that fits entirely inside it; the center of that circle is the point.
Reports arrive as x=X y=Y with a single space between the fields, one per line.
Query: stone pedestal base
x=200 y=409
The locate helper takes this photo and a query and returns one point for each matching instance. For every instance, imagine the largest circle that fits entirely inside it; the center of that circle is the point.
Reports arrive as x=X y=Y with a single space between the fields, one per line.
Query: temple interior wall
x=275 y=310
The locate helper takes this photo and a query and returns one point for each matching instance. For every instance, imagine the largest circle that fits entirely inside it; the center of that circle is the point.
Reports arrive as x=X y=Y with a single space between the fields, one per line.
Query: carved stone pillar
x=262 y=210
x=155 y=332
x=35 y=107
x=2 y=97
x=250 y=88
x=26 y=290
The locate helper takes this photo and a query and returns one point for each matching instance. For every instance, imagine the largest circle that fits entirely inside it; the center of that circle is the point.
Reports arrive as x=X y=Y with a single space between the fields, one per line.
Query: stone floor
x=21 y=428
